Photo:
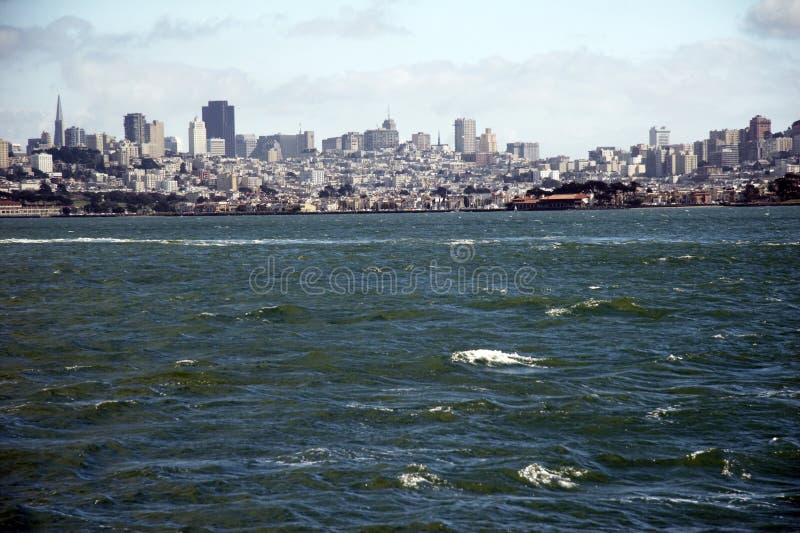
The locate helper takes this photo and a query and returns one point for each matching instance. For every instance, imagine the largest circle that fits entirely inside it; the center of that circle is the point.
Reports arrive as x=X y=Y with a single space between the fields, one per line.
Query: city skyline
x=568 y=87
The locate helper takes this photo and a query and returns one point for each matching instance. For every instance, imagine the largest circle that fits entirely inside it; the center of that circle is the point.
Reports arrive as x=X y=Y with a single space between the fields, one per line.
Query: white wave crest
x=492 y=358
x=421 y=478
x=539 y=476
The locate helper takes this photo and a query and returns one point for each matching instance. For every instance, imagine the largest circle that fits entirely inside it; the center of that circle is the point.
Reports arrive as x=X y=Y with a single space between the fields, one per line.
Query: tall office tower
x=134 y=127
x=220 y=123
x=3 y=154
x=659 y=137
x=197 y=137
x=422 y=141
x=305 y=141
x=700 y=149
x=75 y=137
x=172 y=144
x=465 y=135
x=488 y=142
x=245 y=145
x=58 y=134
x=758 y=127
x=154 y=136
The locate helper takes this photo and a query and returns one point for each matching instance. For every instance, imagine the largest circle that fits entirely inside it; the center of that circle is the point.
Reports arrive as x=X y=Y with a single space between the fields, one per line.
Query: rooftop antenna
x=388 y=111
x=300 y=125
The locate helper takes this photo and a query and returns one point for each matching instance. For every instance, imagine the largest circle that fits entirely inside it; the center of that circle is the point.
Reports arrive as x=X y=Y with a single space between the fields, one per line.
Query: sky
x=571 y=75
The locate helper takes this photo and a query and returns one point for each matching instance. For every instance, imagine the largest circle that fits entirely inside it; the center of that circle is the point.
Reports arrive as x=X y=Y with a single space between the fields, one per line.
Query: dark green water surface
x=478 y=371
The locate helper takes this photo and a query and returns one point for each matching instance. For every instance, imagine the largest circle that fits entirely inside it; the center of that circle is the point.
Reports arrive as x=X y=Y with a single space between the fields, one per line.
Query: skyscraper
x=659 y=137
x=154 y=135
x=245 y=145
x=75 y=137
x=220 y=123
x=134 y=127
x=58 y=134
x=488 y=142
x=465 y=135
x=758 y=127
x=197 y=137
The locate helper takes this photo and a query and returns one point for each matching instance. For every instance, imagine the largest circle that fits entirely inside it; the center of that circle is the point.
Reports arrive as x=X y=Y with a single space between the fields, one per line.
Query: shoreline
x=400 y=211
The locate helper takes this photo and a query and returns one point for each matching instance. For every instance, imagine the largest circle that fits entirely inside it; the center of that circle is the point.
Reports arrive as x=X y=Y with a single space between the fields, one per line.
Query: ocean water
x=602 y=370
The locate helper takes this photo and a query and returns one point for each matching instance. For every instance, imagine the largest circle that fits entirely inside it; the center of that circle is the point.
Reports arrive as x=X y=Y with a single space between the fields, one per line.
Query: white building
x=197 y=137
x=216 y=146
x=42 y=161
x=465 y=135
x=659 y=137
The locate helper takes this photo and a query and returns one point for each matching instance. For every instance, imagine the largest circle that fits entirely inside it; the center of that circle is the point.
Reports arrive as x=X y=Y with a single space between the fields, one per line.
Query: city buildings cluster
x=220 y=170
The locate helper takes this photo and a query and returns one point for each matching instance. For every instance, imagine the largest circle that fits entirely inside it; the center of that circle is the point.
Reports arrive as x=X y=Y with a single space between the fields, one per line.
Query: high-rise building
x=97 y=141
x=42 y=161
x=58 y=133
x=381 y=139
x=352 y=141
x=332 y=144
x=700 y=149
x=305 y=141
x=488 y=142
x=134 y=127
x=154 y=136
x=759 y=126
x=528 y=151
x=75 y=137
x=422 y=141
x=659 y=137
x=725 y=137
x=245 y=145
x=3 y=154
x=172 y=144
x=221 y=124
x=465 y=135
x=197 y=137
x=216 y=146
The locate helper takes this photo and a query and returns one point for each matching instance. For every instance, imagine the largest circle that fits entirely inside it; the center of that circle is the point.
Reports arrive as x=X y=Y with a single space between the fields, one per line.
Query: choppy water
x=602 y=370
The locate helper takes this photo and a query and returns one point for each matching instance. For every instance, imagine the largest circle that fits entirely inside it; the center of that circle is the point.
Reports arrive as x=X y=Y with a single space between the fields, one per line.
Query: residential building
x=42 y=161
x=352 y=141
x=381 y=139
x=3 y=154
x=332 y=144
x=759 y=127
x=464 y=135
x=197 y=137
x=422 y=141
x=522 y=150
x=75 y=137
x=134 y=127
x=659 y=137
x=154 y=136
x=221 y=123
x=488 y=142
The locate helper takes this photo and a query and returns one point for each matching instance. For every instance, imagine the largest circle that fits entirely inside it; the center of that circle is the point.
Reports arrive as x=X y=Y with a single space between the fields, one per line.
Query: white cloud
x=569 y=101
x=368 y=23
x=775 y=18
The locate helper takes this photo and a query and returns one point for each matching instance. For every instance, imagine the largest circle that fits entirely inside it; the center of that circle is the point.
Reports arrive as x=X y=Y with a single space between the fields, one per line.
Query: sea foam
x=491 y=358
x=539 y=476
